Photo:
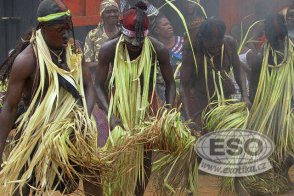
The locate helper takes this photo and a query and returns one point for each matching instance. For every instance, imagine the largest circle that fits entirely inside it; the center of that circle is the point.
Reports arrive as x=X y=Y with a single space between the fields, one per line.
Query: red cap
x=129 y=20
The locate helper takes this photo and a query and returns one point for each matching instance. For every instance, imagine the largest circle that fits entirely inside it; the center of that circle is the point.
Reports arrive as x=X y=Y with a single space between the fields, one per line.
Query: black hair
x=275 y=25
x=140 y=7
x=211 y=29
x=47 y=7
x=156 y=21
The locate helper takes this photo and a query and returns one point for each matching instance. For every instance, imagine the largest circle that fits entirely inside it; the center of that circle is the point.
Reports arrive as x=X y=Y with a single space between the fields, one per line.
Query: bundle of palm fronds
x=268 y=183
x=230 y=115
x=56 y=136
x=176 y=166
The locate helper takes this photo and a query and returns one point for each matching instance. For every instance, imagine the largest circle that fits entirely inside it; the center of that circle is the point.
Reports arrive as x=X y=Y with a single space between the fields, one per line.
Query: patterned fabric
x=107 y=3
x=151 y=10
x=94 y=40
x=175 y=54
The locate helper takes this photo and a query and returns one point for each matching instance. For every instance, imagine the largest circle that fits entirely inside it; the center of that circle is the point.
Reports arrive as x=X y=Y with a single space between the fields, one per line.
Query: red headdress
x=135 y=21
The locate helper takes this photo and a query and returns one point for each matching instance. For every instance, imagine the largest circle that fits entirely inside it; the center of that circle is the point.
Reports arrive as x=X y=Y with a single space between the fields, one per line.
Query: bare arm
x=89 y=89
x=106 y=55
x=167 y=73
x=187 y=82
x=239 y=73
x=254 y=77
x=101 y=76
x=22 y=69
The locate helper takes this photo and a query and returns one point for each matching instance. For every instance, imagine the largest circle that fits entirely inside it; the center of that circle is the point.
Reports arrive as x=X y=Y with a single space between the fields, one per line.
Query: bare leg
x=289 y=161
x=92 y=186
x=25 y=191
x=239 y=189
x=91 y=189
x=140 y=187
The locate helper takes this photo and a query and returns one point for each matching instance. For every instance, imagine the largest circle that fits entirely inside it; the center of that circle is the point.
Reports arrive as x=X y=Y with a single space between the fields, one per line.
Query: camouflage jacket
x=95 y=38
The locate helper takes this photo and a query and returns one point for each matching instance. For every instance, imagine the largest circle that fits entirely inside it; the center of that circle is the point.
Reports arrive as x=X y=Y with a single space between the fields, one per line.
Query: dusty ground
x=208 y=186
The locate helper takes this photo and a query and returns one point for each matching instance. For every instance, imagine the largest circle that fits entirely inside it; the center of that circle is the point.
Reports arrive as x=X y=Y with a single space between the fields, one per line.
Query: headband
x=54 y=16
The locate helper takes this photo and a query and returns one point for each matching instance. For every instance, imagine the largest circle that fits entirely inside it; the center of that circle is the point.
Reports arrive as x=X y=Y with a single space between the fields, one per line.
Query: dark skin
x=277 y=42
x=106 y=57
x=110 y=18
x=193 y=88
x=22 y=76
x=290 y=22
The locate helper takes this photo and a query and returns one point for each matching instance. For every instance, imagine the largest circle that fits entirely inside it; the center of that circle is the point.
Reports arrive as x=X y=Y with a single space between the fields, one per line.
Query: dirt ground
x=208 y=186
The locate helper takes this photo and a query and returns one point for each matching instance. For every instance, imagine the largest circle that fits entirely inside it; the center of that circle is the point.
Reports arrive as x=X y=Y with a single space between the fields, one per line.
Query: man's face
x=110 y=15
x=133 y=44
x=57 y=35
x=213 y=47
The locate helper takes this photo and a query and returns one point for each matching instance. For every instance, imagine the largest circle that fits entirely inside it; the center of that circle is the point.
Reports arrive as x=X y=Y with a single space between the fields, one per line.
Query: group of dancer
x=51 y=94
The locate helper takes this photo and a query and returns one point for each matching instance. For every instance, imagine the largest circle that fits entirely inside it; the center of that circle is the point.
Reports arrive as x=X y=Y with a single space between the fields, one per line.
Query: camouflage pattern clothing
x=94 y=40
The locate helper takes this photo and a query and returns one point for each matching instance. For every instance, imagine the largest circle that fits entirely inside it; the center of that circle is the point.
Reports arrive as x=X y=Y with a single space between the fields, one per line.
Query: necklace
x=59 y=60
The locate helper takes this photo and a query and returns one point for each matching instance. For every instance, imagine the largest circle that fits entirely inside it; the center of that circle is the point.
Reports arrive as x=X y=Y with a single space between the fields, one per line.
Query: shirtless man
x=55 y=26
x=276 y=31
x=134 y=29
x=220 y=52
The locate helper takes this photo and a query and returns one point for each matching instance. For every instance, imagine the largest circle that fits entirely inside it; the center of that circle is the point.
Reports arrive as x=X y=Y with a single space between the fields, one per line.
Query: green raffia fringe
x=271 y=114
x=55 y=132
x=163 y=133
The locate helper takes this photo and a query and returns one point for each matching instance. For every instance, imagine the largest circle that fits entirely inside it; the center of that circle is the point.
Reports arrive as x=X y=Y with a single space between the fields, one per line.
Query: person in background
x=290 y=22
x=163 y=31
x=107 y=29
x=127 y=4
x=216 y=54
x=190 y=10
x=261 y=10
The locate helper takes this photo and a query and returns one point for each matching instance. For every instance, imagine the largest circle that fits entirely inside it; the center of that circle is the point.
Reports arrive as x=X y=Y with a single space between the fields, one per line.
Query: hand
x=195 y=130
x=247 y=101
x=114 y=121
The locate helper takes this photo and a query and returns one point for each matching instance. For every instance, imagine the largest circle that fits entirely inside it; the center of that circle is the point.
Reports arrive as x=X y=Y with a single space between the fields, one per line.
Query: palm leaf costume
x=164 y=132
x=56 y=133
x=271 y=114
